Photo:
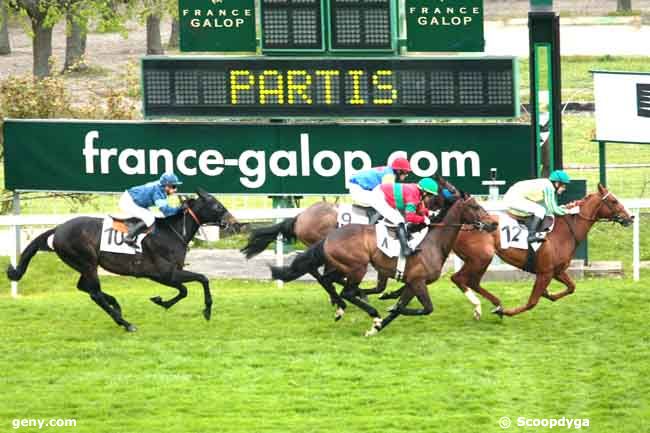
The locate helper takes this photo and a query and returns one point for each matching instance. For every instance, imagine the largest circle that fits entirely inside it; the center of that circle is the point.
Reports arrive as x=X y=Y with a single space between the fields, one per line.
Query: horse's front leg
x=177 y=277
x=541 y=283
x=182 y=293
x=394 y=294
x=379 y=288
x=419 y=289
x=565 y=279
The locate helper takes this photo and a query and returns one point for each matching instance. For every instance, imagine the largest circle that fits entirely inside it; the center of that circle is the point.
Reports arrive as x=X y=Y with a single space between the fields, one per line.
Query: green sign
x=444 y=25
x=217 y=25
x=254 y=158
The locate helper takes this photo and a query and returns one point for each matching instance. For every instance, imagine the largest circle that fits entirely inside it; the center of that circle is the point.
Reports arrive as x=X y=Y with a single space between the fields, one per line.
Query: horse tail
x=306 y=262
x=38 y=244
x=262 y=237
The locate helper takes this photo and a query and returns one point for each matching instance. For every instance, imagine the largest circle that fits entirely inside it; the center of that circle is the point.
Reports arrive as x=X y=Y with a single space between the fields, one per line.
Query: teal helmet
x=428 y=185
x=560 y=176
x=169 y=179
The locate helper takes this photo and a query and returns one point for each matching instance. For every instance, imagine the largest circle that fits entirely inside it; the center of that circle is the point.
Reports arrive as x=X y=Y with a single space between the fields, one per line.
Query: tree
x=42 y=16
x=174 y=36
x=76 y=34
x=623 y=5
x=5 y=44
x=154 y=42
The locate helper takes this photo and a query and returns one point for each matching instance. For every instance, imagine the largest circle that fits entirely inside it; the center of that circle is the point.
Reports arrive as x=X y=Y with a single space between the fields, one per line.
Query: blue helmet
x=169 y=179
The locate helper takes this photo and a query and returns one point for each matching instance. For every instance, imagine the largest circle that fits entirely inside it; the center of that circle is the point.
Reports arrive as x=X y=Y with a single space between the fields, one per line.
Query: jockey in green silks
x=537 y=198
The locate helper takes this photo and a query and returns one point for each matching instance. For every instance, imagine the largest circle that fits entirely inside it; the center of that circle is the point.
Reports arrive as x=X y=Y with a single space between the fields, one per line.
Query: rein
x=182 y=237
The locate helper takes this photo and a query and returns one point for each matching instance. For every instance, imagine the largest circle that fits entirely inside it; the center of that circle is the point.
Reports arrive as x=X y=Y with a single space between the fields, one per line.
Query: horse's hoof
x=392 y=309
x=339 y=314
x=156 y=300
x=498 y=311
x=207 y=313
x=131 y=328
x=477 y=315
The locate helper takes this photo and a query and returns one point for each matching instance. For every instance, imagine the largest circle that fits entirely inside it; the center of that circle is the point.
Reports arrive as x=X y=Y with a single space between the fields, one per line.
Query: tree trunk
x=154 y=43
x=5 y=45
x=174 y=37
x=42 y=47
x=623 y=5
x=75 y=44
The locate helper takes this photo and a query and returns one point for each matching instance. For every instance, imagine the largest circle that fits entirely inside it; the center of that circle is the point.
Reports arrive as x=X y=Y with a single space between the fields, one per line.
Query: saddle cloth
x=514 y=234
x=350 y=214
x=113 y=233
x=388 y=243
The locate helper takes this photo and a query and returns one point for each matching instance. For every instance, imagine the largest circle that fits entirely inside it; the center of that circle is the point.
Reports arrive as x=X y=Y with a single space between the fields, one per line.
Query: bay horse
x=314 y=224
x=477 y=249
x=77 y=243
x=350 y=249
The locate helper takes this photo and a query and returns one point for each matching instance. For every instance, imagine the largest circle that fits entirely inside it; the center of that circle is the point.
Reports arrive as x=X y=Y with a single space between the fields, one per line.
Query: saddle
x=373 y=215
x=124 y=224
x=545 y=226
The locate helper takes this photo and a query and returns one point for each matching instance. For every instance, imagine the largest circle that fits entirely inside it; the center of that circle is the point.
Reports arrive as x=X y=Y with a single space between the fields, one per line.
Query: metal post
x=636 y=256
x=279 y=255
x=602 y=163
x=16 y=255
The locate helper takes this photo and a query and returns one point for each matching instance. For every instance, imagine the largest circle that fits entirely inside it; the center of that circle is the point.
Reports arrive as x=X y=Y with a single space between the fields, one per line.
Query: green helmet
x=429 y=185
x=560 y=176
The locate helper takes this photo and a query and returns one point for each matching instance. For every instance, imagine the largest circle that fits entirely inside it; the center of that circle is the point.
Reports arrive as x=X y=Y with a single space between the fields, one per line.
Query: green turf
x=273 y=360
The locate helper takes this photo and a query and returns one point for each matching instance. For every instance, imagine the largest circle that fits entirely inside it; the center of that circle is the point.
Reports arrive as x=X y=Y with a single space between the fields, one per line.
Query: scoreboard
x=334 y=25
x=387 y=87
x=293 y=25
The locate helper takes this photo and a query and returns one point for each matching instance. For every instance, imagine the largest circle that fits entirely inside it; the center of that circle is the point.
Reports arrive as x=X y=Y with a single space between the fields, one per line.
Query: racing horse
x=77 y=243
x=477 y=249
x=314 y=224
x=351 y=248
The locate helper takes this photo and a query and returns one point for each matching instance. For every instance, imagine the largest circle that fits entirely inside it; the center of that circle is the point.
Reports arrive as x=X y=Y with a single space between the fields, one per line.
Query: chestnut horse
x=477 y=249
x=350 y=249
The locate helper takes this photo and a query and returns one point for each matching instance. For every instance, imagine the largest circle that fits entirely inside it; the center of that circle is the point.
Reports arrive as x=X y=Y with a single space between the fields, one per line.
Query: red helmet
x=401 y=164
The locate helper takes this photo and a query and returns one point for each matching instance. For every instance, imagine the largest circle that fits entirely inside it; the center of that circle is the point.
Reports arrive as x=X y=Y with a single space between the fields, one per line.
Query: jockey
x=362 y=183
x=536 y=197
x=136 y=201
x=404 y=202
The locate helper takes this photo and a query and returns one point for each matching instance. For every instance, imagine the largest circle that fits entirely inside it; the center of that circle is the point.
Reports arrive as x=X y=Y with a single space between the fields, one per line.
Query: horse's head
x=447 y=196
x=210 y=211
x=609 y=208
x=473 y=213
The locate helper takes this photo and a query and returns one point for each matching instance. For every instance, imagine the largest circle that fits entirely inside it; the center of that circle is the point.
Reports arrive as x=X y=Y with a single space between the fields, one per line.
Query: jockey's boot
x=403 y=240
x=132 y=236
x=532 y=226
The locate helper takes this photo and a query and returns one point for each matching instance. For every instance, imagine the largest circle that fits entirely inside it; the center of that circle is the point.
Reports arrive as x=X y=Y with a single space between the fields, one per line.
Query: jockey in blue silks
x=136 y=201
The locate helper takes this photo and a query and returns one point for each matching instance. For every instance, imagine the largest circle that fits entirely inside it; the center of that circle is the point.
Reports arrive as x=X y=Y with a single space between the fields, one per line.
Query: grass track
x=273 y=360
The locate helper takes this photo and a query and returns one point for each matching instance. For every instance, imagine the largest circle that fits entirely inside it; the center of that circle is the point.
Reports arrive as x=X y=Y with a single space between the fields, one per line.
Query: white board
x=622 y=107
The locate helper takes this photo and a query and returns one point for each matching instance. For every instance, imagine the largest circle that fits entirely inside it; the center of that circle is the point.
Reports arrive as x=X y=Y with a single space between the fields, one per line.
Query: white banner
x=622 y=106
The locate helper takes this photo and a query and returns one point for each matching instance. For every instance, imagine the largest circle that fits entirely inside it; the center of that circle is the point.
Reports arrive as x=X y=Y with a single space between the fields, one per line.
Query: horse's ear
x=202 y=193
x=602 y=189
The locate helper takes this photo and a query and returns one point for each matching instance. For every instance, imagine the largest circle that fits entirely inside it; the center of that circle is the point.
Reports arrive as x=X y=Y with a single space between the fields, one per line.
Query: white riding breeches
x=360 y=196
x=381 y=205
x=128 y=206
x=526 y=206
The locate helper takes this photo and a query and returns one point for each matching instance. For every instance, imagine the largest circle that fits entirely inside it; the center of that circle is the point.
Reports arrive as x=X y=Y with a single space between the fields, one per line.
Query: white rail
x=16 y=221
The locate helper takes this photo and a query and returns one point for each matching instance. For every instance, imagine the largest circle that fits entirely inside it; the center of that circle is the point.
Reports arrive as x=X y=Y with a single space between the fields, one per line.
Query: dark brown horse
x=477 y=249
x=350 y=249
x=314 y=224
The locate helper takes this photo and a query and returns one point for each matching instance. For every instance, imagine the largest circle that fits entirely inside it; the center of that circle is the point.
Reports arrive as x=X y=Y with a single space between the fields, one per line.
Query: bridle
x=188 y=211
x=603 y=200
x=617 y=218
